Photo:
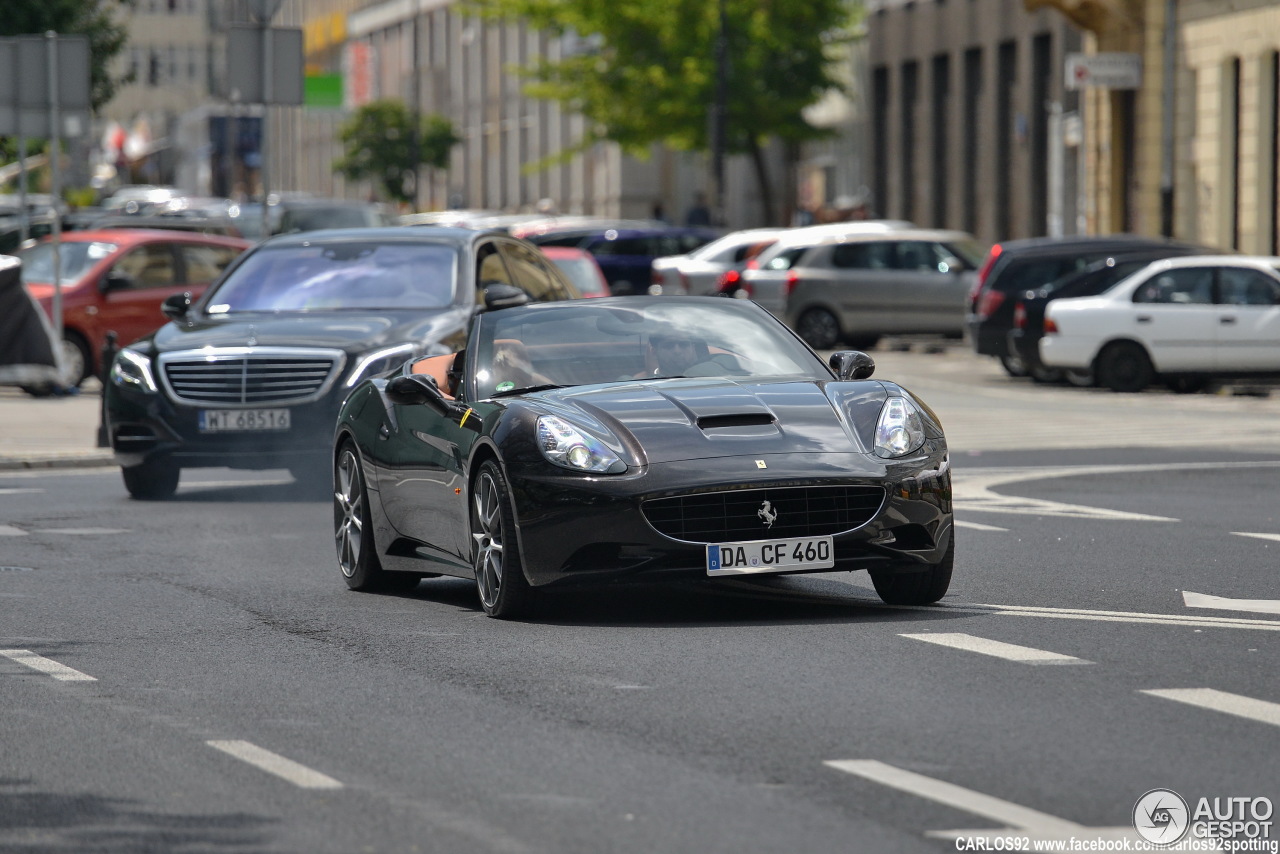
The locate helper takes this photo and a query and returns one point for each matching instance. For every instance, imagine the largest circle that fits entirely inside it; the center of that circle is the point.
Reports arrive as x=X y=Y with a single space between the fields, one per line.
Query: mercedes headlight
x=567 y=446
x=133 y=370
x=899 y=430
x=379 y=362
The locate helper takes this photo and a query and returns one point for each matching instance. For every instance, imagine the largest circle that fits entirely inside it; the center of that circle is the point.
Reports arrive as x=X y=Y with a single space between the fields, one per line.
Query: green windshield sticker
x=506 y=386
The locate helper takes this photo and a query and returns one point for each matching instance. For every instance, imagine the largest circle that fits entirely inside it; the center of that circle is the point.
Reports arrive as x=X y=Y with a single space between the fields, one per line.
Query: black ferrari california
x=633 y=438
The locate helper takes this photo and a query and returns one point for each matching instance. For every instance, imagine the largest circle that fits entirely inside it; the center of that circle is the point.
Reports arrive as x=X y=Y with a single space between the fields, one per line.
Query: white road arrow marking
x=998 y=649
x=1221 y=701
x=53 y=668
x=274 y=763
x=1222 y=603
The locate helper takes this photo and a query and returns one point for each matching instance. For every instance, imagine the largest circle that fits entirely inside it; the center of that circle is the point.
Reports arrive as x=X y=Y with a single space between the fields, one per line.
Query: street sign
x=26 y=95
x=245 y=63
x=1104 y=70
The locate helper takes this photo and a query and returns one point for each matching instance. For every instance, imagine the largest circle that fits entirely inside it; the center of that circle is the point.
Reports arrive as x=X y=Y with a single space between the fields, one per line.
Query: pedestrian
x=698 y=214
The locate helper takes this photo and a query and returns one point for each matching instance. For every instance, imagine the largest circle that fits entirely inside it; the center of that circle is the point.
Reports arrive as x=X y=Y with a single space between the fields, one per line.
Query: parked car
x=1181 y=320
x=638 y=438
x=314 y=214
x=251 y=375
x=858 y=287
x=1016 y=266
x=175 y=222
x=626 y=254
x=700 y=272
x=114 y=280
x=581 y=268
x=1028 y=310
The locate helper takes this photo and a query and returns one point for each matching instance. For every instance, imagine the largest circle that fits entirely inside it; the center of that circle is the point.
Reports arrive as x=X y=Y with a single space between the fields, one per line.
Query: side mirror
x=852 y=364
x=499 y=295
x=115 y=280
x=176 y=306
x=417 y=389
x=951 y=264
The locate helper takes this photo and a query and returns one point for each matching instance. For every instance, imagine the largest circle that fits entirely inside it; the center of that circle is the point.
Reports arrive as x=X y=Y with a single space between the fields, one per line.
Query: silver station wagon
x=857 y=287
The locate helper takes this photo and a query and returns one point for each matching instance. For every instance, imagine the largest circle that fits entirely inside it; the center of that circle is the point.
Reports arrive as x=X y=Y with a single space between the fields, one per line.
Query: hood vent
x=742 y=419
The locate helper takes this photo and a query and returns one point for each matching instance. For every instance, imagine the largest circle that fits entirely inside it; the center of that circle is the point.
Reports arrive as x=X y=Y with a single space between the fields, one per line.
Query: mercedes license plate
x=770 y=556
x=243 y=420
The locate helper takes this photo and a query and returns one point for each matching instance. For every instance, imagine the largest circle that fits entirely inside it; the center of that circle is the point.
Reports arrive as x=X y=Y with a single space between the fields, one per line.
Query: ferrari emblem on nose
x=767 y=514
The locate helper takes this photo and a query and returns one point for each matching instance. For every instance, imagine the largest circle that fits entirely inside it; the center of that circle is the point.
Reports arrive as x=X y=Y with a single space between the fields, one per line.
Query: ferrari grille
x=249 y=377
x=801 y=511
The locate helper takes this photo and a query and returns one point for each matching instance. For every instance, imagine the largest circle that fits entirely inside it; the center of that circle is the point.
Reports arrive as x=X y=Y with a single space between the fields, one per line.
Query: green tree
x=650 y=73
x=102 y=21
x=378 y=143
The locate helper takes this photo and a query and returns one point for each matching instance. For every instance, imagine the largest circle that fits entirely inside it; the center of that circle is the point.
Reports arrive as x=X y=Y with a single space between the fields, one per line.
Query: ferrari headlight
x=565 y=445
x=899 y=430
x=379 y=362
x=133 y=370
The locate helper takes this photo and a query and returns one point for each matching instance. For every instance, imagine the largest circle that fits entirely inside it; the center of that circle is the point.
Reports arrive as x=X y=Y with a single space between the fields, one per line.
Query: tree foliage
x=651 y=73
x=378 y=143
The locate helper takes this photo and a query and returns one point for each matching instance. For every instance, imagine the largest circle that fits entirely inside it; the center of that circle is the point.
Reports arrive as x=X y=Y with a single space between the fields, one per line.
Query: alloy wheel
x=488 y=535
x=348 y=513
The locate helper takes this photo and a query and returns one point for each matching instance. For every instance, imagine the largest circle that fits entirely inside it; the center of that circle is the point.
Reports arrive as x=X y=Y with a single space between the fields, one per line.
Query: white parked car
x=698 y=272
x=1181 y=320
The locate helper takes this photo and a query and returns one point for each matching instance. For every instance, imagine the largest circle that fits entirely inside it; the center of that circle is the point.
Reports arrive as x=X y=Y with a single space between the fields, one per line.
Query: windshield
x=607 y=341
x=347 y=275
x=76 y=259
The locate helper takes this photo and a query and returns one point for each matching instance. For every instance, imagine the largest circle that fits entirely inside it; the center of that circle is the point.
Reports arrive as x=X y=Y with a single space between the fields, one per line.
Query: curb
x=68 y=461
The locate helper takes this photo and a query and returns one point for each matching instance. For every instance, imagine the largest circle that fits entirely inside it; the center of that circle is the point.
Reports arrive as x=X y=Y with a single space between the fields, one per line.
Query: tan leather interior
x=437 y=367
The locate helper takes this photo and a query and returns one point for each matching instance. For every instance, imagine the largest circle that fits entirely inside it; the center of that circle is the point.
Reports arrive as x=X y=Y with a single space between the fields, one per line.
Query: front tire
x=923 y=587
x=819 y=328
x=153 y=480
x=1124 y=367
x=504 y=591
x=1013 y=365
x=353 y=533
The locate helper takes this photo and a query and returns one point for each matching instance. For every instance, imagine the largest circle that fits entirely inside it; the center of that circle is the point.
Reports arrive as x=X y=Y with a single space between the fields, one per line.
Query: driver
x=676 y=354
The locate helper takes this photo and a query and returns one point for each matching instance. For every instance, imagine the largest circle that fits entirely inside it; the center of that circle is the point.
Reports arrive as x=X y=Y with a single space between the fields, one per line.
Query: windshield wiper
x=529 y=389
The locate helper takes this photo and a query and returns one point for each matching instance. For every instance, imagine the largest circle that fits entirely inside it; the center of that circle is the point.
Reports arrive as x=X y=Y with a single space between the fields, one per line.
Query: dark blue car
x=626 y=253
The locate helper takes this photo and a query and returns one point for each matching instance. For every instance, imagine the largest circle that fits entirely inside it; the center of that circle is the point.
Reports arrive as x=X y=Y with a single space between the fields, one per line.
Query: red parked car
x=115 y=280
x=581 y=268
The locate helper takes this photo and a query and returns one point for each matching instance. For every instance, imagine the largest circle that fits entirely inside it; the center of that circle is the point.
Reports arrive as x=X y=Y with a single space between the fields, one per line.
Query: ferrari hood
x=687 y=419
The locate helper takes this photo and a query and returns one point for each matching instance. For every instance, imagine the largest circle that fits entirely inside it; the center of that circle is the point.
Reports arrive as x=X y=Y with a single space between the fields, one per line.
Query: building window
x=1007 y=74
x=880 y=138
x=910 y=93
x=1231 y=148
x=1271 y=152
x=1041 y=81
x=971 y=124
x=939 y=124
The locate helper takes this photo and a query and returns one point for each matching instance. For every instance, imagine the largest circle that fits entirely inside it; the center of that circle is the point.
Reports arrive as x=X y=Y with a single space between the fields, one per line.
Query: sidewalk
x=51 y=432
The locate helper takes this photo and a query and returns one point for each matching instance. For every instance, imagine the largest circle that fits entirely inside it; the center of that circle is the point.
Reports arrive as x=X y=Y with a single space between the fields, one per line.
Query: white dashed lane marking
x=1222 y=701
x=274 y=763
x=1222 y=603
x=1273 y=537
x=997 y=649
x=46 y=665
x=10 y=531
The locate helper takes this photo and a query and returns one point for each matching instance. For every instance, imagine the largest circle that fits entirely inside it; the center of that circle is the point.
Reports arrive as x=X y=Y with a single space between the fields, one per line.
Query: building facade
x=971 y=123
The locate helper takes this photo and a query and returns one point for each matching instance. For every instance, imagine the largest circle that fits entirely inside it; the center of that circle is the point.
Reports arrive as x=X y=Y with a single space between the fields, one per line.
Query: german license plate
x=770 y=556
x=243 y=420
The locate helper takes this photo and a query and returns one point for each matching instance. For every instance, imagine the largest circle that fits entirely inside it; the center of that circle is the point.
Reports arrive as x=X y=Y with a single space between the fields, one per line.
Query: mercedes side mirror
x=852 y=364
x=176 y=306
x=115 y=281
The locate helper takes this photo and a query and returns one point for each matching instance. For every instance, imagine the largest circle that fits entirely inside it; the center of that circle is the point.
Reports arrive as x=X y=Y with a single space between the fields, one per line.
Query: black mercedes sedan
x=634 y=438
x=252 y=374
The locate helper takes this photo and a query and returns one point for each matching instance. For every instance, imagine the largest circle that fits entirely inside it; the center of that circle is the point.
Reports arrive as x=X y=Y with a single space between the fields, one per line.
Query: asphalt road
x=197 y=678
